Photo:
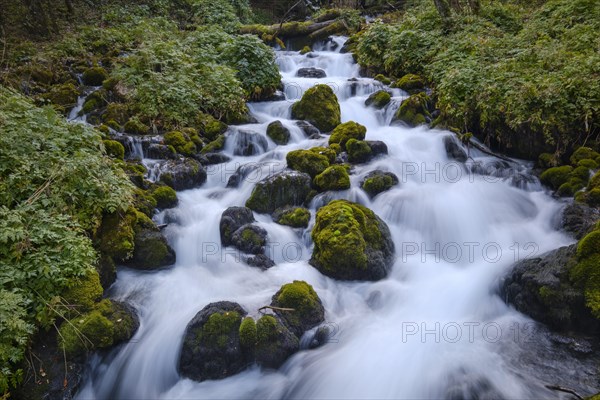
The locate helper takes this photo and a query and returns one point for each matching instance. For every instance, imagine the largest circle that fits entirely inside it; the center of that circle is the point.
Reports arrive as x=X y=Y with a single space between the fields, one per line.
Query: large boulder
x=378 y=181
x=250 y=239
x=151 y=249
x=579 y=219
x=309 y=129
x=233 y=219
x=346 y=131
x=541 y=287
x=286 y=188
x=211 y=345
x=278 y=133
x=319 y=106
x=182 y=174
x=351 y=243
x=300 y=297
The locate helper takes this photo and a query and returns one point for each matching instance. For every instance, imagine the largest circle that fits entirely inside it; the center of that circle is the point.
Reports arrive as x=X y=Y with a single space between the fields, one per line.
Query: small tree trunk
x=443 y=9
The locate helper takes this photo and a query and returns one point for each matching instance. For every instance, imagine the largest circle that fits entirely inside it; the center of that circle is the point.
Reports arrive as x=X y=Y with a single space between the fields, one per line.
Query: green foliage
x=319 y=105
x=14 y=334
x=334 y=177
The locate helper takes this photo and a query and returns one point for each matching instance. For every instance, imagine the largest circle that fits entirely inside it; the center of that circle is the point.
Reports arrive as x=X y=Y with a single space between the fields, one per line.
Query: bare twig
x=276 y=308
x=566 y=390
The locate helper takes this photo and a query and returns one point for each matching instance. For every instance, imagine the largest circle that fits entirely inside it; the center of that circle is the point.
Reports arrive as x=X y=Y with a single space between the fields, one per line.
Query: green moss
x=319 y=105
x=219 y=328
x=589 y=245
x=114 y=149
x=84 y=292
x=295 y=217
x=305 y=50
x=144 y=202
x=556 y=176
x=302 y=298
x=165 y=197
x=278 y=133
x=115 y=237
x=181 y=142
x=383 y=79
x=410 y=83
x=62 y=96
x=336 y=148
x=248 y=333
x=346 y=131
x=586 y=275
x=587 y=163
x=595 y=181
x=89 y=106
x=307 y=161
x=266 y=329
x=94 y=76
x=326 y=151
x=210 y=127
x=359 y=151
x=379 y=99
x=124 y=323
x=547 y=160
x=85 y=333
x=136 y=127
x=414 y=110
x=378 y=183
x=582 y=174
x=571 y=187
x=334 y=177
x=583 y=153
x=214 y=146
x=592 y=197
x=116 y=114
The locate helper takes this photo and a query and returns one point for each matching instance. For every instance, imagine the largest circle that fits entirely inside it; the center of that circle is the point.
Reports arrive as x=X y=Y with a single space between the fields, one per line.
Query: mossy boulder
x=144 y=202
x=107 y=324
x=333 y=178
x=165 y=197
x=83 y=293
x=278 y=133
x=233 y=219
x=115 y=236
x=383 y=79
x=346 y=131
x=248 y=336
x=117 y=113
x=305 y=50
x=351 y=242
x=136 y=127
x=275 y=343
x=547 y=160
x=94 y=76
x=556 y=176
x=379 y=99
x=216 y=145
x=414 y=111
x=114 y=149
x=583 y=153
x=359 y=151
x=211 y=345
x=328 y=152
x=296 y=217
x=410 y=83
x=287 y=188
x=151 y=249
x=376 y=182
x=319 y=105
x=308 y=310
x=310 y=162
x=182 y=143
x=182 y=174
x=250 y=238
x=63 y=96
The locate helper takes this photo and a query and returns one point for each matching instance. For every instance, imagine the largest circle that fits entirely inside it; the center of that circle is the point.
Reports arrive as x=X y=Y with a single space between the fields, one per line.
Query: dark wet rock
x=378 y=148
x=260 y=261
x=540 y=287
x=160 y=152
x=211 y=345
x=151 y=249
x=302 y=298
x=278 y=133
x=311 y=73
x=233 y=219
x=241 y=173
x=182 y=174
x=250 y=238
x=309 y=129
x=248 y=143
x=454 y=149
x=275 y=343
x=378 y=181
x=379 y=99
x=579 y=219
x=287 y=188
x=214 y=158
x=321 y=336
x=351 y=242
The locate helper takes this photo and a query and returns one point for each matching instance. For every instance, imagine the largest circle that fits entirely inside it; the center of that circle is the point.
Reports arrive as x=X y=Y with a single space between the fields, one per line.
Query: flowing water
x=435 y=328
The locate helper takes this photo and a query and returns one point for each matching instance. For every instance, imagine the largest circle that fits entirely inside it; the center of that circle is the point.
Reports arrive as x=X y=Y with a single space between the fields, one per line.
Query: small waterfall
x=434 y=329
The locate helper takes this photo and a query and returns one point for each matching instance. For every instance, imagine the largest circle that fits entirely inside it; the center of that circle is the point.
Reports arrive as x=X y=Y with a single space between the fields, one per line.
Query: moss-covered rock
x=333 y=178
x=296 y=217
x=136 y=127
x=414 y=110
x=379 y=99
x=310 y=162
x=116 y=113
x=346 y=131
x=308 y=310
x=328 y=152
x=583 y=153
x=114 y=149
x=278 y=133
x=376 y=182
x=351 y=242
x=248 y=336
x=94 y=76
x=287 y=188
x=83 y=293
x=555 y=177
x=210 y=127
x=122 y=316
x=410 y=83
x=182 y=174
x=216 y=145
x=305 y=50
x=383 y=79
x=63 y=97
x=275 y=343
x=115 y=237
x=211 y=345
x=319 y=105
x=587 y=163
x=359 y=151
x=547 y=160
x=233 y=219
x=165 y=197
x=250 y=238
x=85 y=333
x=151 y=249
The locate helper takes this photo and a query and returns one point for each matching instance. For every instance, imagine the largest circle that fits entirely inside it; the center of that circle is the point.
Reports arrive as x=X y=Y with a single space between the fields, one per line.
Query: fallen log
x=288 y=29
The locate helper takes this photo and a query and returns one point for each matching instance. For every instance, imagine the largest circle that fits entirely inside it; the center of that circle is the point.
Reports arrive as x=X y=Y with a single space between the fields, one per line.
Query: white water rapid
x=435 y=328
